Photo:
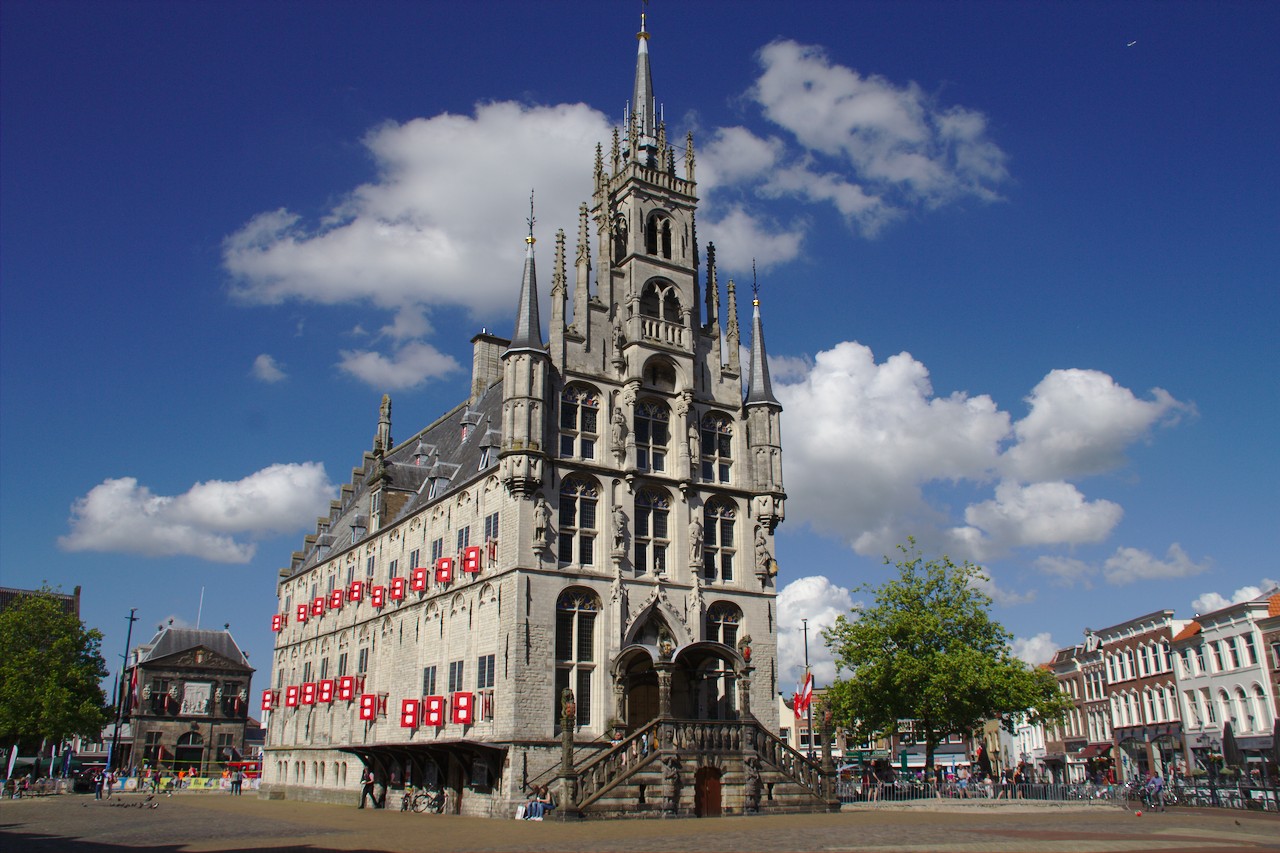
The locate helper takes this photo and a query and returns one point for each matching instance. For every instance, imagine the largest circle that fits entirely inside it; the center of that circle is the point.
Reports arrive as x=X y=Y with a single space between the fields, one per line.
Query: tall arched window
x=579 y=421
x=1242 y=710
x=657 y=235
x=1259 y=706
x=717 y=448
x=576 y=611
x=653 y=433
x=717 y=541
x=653 y=532
x=578 y=501
x=619 y=239
x=1224 y=707
x=723 y=621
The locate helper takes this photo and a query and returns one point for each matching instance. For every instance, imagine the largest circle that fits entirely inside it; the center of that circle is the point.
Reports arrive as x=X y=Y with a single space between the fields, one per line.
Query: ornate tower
x=524 y=390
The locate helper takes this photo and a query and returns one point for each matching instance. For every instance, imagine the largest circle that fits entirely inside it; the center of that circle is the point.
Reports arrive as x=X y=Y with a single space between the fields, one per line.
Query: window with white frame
x=652 y=531
x=718 y=544
x=579 y=421
x=653 y=434
x=717 y=448
x=579 y=501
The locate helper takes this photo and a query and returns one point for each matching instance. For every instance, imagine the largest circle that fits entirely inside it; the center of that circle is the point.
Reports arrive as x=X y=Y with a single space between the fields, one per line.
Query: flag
x=133 y=691
x=804 y=695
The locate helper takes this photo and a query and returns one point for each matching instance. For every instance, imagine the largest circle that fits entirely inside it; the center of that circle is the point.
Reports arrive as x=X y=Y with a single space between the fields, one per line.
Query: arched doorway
x=706 y=792
x=189 y=753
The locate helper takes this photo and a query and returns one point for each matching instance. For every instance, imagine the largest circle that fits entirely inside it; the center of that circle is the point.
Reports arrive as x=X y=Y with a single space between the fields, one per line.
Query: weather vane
x=755 y=284
x=530 y=240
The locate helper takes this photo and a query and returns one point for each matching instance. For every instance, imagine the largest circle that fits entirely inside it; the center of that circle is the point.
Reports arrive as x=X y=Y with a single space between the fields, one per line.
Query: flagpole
x=808 y=706
x=112 y=757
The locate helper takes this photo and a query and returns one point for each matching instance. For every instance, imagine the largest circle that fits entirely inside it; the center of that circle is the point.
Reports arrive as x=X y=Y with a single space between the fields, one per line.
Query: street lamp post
x=113 y=756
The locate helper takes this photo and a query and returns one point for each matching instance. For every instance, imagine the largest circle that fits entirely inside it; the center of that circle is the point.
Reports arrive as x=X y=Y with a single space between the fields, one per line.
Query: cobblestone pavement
x=215 y=822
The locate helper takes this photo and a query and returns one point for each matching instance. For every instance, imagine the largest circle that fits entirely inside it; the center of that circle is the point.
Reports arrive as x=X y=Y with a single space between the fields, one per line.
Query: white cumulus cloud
x=411 y=365
x=1127 y=565
x=1211 y=601
x=820 y=601
x=1038 y=514
x=1035 y=650
x=267 y=369
x=209 y=521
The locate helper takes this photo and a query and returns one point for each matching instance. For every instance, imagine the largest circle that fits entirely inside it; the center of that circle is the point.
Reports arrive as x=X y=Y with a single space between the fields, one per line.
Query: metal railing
x=903 y=790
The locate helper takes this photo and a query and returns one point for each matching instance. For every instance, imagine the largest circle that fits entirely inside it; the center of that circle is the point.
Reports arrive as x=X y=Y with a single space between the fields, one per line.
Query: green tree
x=51 y=667
x=928 y=650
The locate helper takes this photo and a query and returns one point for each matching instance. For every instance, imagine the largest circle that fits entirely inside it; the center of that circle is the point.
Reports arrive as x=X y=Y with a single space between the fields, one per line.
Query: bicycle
x=421 y=800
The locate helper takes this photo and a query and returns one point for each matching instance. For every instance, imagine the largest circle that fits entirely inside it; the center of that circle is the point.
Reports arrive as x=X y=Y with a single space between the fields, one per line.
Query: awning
x=1254 y=744
x=1094 y=750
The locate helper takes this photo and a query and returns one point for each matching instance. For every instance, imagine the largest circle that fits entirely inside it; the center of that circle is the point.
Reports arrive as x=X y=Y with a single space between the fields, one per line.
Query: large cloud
x=1210 y=601
x=868 y=442
x=1035 y=650
x=820 y=601
x=209 y=521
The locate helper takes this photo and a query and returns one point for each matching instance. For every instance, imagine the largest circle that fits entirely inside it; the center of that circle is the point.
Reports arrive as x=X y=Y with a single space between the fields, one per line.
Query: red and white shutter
x=418 y=579
x=471 y=559
x=324 y=691
x=335 y=599
x=463 y=708
x=444 y=570
x=347 y=688
x=277 y=622
x=378 y=595
x=433 y=711
x=368 y=706
x=268 y=700
x=357 y=591
x=397 y=589
x=303 y=612
x=410 y=713
x=309 y=693
x=291 y=696
x=317 y=606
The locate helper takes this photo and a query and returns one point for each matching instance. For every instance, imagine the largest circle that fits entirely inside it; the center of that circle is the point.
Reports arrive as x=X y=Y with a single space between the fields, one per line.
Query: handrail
x=622 y=760
x=554 y=770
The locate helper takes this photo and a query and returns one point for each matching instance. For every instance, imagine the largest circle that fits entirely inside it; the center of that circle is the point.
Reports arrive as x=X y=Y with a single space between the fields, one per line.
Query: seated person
x=541 y=803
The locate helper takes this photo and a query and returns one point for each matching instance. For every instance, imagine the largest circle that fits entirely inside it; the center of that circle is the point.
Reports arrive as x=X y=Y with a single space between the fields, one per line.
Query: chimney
x=486 y=363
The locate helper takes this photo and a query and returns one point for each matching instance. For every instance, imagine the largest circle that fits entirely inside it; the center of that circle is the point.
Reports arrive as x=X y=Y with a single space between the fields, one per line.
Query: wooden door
x=706 y=792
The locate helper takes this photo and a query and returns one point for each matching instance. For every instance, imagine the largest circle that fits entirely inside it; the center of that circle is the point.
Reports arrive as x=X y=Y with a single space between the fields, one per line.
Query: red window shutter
x=291 y=696
x=368 y=706
x=463 y=706
x=303 y=612
x=357 y=591
x=335 y=599
x=378 y=595
x=471 y=559
x=419 y=577
x=325 y=691
x=410 y=713
x=267 y=700
x=397 y=589
x=277 y=622
x=309 y=693
x=433 y=713
x=347 y=688
x=444 y=570
x=317 y=606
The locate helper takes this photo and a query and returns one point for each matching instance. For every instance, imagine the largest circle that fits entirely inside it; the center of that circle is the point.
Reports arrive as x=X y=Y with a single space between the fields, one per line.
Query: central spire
x=642 y=129
x=528 y=332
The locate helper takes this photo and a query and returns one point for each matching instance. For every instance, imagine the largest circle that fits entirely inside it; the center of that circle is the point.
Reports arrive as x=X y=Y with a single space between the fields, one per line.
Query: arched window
x=1224 y=707
x=1211 y=712
x=658 y=235
x=653 y=433
x=653 y=532
x=579 y=421
x=717 y=541
x=717 y=448
x=723 y=620
x=578 y=501
x=1259 y=706
x=619 y=239
x=576 y=611
x=1242 y=710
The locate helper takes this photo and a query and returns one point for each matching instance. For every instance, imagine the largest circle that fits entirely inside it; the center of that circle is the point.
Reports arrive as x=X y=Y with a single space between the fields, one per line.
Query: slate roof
x=448 y=452
x=171 y=641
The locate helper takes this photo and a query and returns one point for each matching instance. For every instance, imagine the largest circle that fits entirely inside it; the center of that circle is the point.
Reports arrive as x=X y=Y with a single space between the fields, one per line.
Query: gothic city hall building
x=569 y=578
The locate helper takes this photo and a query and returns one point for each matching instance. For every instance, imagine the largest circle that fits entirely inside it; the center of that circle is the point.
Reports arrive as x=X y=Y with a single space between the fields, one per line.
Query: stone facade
x=188 y=694
x=591 y=530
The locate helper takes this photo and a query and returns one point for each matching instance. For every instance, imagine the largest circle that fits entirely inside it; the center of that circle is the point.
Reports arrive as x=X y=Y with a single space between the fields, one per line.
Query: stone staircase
x=688 y=768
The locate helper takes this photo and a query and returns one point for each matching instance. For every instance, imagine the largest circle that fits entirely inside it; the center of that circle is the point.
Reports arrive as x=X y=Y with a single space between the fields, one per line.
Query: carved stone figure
x=568 y=707
x=542 y=522
x=751 y=786
x=619 y=528
x=695 y=453
x=619 y=433
x=695 y=544
x=670 y=783
x=762 y=552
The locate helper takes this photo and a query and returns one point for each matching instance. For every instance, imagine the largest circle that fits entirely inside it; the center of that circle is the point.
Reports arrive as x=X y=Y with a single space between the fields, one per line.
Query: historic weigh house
x=568 y=579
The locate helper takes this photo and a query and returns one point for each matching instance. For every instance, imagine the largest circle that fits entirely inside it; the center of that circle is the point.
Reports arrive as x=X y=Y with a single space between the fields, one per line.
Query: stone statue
x=542 y=522
x=695 y=454
x=619 y=433
x=762 y=552
x=619 y=528
x=695 y=544
x=671 y=783
x=568 y=708
x=751 y=786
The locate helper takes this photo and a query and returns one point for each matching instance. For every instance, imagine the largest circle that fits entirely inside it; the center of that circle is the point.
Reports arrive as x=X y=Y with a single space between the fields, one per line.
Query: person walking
x=366 y=788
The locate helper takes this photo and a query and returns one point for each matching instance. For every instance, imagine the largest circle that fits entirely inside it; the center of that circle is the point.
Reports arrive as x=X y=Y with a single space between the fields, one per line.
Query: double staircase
x=704 y=768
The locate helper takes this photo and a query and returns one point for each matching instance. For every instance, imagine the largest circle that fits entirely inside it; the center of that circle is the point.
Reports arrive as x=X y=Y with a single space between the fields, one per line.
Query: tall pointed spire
x=642 y=142
x=528 y=332
x=759 y=389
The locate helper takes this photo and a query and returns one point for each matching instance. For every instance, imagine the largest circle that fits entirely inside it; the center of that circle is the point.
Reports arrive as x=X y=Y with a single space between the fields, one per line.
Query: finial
x=644 y=9
x=755 y=285
x=530 y=239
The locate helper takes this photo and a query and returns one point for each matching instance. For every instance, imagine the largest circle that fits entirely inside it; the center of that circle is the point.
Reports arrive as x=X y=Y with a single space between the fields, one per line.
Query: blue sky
x=1018 y=277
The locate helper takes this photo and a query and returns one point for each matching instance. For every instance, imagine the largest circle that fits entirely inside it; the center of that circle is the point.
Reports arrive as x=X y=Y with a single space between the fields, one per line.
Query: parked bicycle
x=422 y=800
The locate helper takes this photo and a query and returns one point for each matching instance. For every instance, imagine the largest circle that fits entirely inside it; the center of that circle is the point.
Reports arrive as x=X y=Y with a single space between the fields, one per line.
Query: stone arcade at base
x=568 y=579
